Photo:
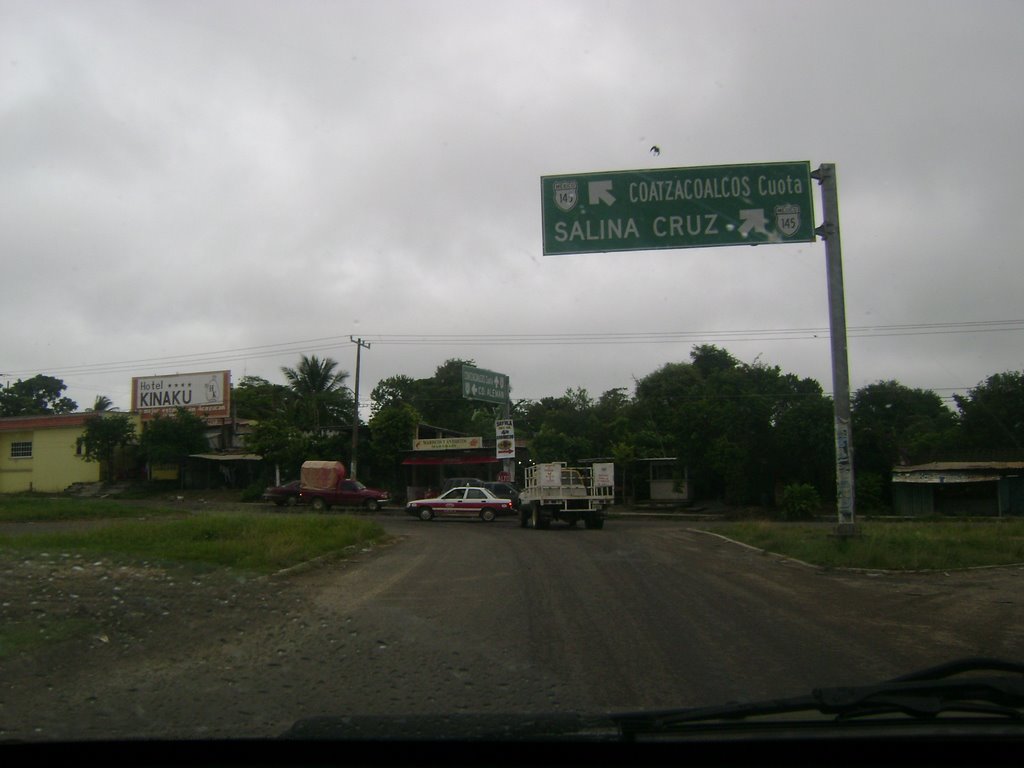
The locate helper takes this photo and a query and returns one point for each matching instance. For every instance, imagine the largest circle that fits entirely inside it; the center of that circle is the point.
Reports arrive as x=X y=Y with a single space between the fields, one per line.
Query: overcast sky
x=192 y=186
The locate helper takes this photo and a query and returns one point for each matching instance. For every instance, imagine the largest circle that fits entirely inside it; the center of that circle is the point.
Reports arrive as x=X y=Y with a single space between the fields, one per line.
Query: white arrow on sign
x=600 y=192
x=753 y=219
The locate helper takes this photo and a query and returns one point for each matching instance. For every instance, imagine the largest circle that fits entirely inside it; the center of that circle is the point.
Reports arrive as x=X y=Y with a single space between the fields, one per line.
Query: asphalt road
x=470 y=617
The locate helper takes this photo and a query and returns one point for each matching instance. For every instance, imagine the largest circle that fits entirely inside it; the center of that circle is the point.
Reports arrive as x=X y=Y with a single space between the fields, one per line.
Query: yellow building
x=44 y=453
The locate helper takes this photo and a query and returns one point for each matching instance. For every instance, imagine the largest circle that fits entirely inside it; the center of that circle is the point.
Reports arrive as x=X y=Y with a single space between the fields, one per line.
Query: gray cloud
x=194 y=185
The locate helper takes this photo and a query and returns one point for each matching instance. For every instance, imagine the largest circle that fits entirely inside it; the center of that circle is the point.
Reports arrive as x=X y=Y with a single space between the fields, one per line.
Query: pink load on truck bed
x=321 y=475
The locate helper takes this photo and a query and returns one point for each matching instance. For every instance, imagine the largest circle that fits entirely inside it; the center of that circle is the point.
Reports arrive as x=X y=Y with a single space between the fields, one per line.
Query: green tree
x=992 y=417
x=281 y=444
x=712 y=420
x=170 y=439
x=740 y=429
x=392 y=430
x=321 y=398
x=102 y=404
x=106 y=433
x=561 y=427
x=394 y=390
x=803 y=436
x=256 y=398
x=611 y=422
x=437 y=399
x=894 y=424
x=38 y=396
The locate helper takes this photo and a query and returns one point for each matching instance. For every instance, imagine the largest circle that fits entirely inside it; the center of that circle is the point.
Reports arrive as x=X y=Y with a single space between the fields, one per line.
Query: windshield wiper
x=925 y=694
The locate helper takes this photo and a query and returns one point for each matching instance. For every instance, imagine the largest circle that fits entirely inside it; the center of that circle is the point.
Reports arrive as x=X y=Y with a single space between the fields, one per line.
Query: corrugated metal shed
x=998 y=488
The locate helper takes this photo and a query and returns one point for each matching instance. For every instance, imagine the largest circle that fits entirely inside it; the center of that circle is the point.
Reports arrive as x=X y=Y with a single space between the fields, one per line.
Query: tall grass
x=23 y=508
x=260 y=543
x=929 y=545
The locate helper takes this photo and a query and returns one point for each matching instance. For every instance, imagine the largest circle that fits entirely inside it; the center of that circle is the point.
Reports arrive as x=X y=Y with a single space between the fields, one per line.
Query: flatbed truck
x=555 y=491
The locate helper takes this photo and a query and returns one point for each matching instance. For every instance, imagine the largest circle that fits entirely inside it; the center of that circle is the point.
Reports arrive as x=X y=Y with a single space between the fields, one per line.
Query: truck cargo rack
x=556 y=491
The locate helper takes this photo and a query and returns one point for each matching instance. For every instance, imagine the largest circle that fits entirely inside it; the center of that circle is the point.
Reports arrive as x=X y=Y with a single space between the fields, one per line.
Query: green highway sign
x=480 y=384
x=677 y=208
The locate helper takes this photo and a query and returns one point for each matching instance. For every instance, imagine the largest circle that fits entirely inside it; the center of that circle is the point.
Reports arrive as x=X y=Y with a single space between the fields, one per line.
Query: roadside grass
x=25 y=508
x=245 y=543
x=257 y=543
x=897 y=546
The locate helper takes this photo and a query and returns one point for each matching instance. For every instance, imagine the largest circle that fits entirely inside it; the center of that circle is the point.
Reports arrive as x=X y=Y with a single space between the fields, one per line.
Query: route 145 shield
x=566 y=194
x=787 y=219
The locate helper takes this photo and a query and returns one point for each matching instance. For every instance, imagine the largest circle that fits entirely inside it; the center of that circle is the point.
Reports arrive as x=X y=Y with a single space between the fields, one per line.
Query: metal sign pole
x=360 y=346
x=829 y=232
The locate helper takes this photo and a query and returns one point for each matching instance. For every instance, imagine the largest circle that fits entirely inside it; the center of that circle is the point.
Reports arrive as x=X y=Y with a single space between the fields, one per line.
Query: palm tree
x=102 y=404
x=319 y=389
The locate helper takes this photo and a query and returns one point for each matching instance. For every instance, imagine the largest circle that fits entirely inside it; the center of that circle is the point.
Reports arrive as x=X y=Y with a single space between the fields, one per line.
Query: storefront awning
x=226 y=456
x=448 y=460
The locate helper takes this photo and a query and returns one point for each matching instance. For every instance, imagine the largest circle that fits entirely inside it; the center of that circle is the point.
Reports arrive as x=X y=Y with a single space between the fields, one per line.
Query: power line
x=325 y=343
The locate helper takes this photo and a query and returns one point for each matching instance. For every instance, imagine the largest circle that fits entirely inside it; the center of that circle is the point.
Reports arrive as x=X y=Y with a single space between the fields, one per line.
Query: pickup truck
x=323 y=485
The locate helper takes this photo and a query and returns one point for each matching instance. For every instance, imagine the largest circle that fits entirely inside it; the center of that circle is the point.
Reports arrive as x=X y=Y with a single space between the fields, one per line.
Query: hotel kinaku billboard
x=206 y=394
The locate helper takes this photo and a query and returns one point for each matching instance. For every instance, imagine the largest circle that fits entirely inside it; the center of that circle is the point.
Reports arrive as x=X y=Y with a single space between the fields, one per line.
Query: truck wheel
x=541 y=519
x=487 y=515
x=524 y=517
x=594 y=522
x=372 y=504
x=319 y=504
x=426 y=514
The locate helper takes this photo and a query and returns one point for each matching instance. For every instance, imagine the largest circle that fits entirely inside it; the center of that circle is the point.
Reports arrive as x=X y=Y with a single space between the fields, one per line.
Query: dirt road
x=470 y=617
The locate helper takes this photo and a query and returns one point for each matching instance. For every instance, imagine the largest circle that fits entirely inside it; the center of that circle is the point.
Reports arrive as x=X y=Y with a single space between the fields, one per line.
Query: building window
x=21 y=450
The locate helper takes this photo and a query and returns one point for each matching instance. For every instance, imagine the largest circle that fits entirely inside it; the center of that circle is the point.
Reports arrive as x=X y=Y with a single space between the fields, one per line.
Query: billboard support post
x=829 y=232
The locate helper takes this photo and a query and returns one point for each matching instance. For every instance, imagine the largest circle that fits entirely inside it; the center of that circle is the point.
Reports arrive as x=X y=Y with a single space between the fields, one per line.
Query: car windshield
x=258 y=254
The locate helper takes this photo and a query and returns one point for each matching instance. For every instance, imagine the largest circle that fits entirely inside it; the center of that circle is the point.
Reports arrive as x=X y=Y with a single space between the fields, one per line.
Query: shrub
x=253 y=492
x=869 y=492
x=799 y=502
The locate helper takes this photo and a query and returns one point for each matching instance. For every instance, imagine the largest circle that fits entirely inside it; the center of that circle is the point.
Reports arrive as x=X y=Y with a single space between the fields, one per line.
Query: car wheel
x=292 y=501
x=487 y=515
x=372 y=504
x=278 y=502
x=426 y=514
x=319 y=504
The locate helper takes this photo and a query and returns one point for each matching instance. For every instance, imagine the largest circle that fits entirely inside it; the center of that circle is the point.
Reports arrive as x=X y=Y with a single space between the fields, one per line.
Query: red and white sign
x=206 y=394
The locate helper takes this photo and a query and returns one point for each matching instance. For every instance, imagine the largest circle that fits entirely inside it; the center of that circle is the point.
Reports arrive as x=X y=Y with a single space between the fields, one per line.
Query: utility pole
x=360 y=345
x=829 y=231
